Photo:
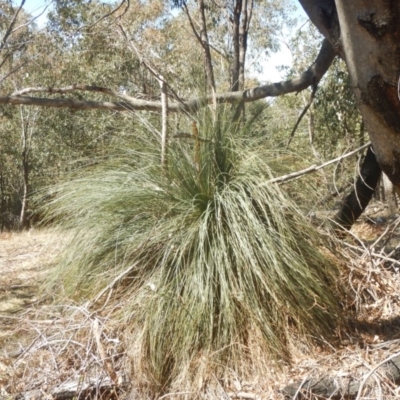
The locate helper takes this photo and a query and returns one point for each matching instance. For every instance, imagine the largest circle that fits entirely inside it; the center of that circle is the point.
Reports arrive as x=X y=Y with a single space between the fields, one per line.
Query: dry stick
x=386 y=258
x=243 y=395
x=106 y=361
x=181 y=104
x=299 y=388
x=313 y=168
x=174 y=394
x=164 y=99
x=111 y=13
x=303 y=113
x=362 y=384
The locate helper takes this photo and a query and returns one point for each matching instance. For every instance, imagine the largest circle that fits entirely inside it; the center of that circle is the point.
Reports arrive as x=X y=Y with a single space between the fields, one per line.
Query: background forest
x=126 y=51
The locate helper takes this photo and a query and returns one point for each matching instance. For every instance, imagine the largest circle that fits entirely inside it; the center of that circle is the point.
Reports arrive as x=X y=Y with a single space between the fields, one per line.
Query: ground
x=24 y=260
x=44 y=349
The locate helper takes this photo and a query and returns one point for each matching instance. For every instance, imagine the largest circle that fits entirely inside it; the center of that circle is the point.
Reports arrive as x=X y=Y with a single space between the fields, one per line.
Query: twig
x=374 y=254
x=11 y=26
x=111 y=13
x=243 y=395
x=174 y=394
x=362 y=384
x=299 y=388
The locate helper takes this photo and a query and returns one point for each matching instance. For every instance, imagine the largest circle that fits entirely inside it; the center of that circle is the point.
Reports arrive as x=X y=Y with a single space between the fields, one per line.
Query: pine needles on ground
x=218 y=261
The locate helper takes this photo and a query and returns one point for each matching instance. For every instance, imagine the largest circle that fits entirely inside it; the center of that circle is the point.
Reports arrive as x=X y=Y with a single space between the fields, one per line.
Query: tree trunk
x=241 y=18
x=23 y=220
x=25 y=137
x=370 y=43
x=2 y=202
x=206 y=46
x=356 y=202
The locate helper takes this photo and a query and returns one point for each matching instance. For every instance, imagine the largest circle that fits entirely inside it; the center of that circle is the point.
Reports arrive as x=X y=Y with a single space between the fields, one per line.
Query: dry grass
x=72 y=346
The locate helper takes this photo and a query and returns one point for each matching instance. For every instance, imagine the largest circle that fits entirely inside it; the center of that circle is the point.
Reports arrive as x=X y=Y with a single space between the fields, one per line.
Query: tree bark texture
x=370 y=41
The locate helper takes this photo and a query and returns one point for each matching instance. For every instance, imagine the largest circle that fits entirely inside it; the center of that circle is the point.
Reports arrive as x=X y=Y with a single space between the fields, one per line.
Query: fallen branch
x=102 y=387
x=328 y=387
x=313 y=168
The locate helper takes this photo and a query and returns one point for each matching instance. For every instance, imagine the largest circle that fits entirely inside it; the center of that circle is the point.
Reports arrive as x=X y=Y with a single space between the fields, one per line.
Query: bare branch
x=303 y=113
x=75 y=104
x=111 y=13
x=308 y=78
x=33 y=19
x=13 y=71
x=313 y=168
x=11 y=26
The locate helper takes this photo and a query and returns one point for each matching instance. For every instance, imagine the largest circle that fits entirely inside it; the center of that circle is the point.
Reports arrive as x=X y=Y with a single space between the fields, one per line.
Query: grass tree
x=215 y=261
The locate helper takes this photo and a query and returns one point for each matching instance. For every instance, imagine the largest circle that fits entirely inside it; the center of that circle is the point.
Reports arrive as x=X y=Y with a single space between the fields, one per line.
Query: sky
x=270 y=64
x=37 y=7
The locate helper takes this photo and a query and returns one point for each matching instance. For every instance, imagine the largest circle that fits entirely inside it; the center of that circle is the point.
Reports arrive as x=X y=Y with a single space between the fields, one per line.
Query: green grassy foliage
x=219 y=258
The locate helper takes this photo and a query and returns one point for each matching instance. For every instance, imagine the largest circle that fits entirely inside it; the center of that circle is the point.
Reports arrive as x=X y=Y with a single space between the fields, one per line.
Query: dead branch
x=328 y=387
x=303 y=113
x=314 y=168
x=75 y=390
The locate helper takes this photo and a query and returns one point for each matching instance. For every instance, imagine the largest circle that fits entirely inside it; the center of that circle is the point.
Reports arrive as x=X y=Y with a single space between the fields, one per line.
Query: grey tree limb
x=313 y=168
x=128 y=103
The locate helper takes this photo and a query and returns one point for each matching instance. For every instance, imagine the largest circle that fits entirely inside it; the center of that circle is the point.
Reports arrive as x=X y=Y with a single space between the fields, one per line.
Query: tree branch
x=303 y=113
x=308 y=78
x=11 y=26
x=313 y=168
